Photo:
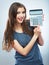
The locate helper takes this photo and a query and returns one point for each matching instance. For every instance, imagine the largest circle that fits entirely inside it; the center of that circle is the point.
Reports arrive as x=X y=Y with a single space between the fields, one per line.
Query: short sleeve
x=14 y=35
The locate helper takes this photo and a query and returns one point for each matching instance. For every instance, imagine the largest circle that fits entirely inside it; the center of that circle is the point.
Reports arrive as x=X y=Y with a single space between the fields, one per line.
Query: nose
x=22 y=14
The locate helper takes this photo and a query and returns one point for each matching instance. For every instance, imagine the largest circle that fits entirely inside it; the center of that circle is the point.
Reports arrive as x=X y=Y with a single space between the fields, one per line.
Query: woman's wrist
x=34 y=38
x=36 y=35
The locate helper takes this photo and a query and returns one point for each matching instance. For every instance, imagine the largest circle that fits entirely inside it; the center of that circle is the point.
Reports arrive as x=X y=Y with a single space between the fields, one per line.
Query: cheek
x=24 y=15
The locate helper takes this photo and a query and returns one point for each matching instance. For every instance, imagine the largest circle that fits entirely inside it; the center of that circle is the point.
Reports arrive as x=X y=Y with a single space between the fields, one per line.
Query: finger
x=35 y=29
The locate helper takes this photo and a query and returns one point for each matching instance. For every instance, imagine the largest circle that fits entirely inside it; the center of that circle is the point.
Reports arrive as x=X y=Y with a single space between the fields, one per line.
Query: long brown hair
x=8 y=39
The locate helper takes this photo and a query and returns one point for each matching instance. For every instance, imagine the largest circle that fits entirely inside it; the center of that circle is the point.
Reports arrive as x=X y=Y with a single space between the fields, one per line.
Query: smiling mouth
x=21 y=18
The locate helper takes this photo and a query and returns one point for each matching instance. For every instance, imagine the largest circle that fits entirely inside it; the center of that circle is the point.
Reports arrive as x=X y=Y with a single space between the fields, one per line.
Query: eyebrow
x=23 y=11
x=19 y=11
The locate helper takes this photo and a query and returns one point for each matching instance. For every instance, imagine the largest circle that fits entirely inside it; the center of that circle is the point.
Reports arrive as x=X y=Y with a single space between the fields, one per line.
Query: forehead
x=21 y=9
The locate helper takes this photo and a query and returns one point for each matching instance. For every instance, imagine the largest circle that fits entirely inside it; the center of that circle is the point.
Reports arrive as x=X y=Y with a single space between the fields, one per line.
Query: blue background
x=8 y=58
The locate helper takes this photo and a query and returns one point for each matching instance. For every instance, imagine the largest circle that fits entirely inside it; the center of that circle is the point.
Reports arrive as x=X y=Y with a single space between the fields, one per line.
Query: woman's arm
x=40 y=40
x=24 y=51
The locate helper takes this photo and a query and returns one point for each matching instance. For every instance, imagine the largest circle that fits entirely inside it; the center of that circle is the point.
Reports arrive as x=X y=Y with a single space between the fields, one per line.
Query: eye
x=23 y=12
x=18 y=12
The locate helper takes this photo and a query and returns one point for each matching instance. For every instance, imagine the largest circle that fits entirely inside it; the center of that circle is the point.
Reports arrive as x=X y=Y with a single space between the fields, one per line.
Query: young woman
x=20 y=36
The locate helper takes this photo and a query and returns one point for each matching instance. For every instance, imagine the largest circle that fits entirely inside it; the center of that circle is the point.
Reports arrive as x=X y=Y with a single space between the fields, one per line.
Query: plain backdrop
x=8 y=58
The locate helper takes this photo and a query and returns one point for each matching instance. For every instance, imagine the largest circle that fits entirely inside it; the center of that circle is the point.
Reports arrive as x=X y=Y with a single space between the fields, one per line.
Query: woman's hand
x=37 y=31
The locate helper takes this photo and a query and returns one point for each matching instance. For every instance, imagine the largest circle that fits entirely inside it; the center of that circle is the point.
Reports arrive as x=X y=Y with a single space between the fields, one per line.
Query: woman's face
x=20 y=15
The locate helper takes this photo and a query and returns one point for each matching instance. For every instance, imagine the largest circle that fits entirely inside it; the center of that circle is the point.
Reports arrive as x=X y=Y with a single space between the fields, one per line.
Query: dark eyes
x=23 y=12
x=20 y=12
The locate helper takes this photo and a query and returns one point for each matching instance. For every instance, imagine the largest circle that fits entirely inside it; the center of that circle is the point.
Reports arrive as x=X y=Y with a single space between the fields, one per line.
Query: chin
x=20 y=21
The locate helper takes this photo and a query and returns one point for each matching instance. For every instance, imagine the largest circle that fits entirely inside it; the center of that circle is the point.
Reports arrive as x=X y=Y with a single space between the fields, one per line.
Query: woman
x=22 y=38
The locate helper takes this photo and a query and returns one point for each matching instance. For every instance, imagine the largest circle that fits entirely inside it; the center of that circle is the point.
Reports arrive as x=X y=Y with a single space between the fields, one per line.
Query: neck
x=18 y=28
